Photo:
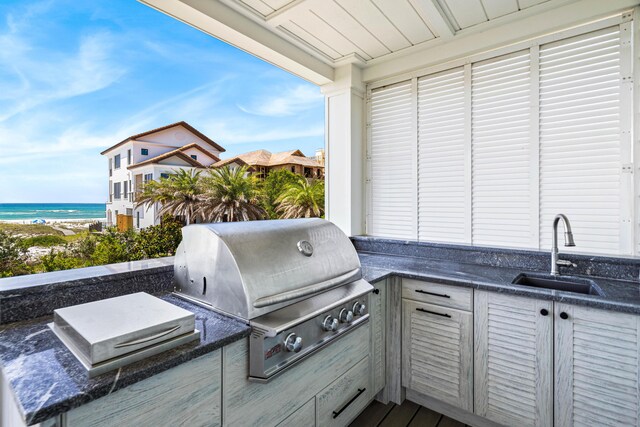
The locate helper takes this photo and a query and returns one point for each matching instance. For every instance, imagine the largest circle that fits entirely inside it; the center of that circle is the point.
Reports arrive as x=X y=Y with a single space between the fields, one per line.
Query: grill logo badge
x=305 y=248
x=273 y=351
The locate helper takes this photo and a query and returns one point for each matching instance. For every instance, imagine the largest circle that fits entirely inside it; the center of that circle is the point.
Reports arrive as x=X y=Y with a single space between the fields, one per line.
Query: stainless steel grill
x=297 y=282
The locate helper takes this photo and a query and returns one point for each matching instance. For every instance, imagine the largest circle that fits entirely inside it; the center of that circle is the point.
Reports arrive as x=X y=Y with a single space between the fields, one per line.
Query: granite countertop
x=48 y=380
x=619 y=295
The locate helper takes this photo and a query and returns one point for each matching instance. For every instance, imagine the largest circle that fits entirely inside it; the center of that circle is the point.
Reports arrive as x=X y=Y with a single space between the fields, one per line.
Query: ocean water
x=31 y=211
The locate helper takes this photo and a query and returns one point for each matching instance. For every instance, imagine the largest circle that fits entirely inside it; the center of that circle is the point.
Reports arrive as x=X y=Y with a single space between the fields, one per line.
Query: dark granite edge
x=624 y=259
x=73 y=283
x=597 y=302
x=597 y=265
x=36 y=283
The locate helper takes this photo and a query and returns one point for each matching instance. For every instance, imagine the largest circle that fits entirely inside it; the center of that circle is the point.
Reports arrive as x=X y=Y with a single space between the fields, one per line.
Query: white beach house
x=151 y=155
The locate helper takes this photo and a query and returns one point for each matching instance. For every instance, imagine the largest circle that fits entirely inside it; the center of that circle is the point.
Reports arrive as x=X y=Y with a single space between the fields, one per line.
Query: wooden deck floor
x=408 y=414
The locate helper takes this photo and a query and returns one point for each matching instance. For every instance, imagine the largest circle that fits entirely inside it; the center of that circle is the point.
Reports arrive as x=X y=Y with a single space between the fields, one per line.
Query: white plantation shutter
x=441 y=157
x=501 y=179
x=392 y=208
x=580 y=156
x=489 y=152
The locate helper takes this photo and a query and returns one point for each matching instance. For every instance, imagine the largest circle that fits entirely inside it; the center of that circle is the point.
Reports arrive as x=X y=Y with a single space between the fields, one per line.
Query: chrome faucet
x=568 y=241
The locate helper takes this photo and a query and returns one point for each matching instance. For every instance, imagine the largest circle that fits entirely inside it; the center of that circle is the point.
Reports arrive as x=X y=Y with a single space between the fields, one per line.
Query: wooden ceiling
x=335 y=30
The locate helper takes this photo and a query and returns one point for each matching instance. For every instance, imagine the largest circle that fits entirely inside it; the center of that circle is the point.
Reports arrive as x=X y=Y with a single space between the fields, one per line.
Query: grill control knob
x=330 y=323
x=346 y=316
x=293 y=343
x=359 y=309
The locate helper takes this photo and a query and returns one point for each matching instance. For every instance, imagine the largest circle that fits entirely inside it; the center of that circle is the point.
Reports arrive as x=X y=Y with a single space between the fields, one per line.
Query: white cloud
x=286 y=103
x=32 y=74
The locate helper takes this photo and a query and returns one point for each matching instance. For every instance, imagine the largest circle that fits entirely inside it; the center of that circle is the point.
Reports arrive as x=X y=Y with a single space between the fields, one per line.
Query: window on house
x=110 y=167
x=126 y=188
x=144 y=151
x=116 y=190
x=148 y=177
x=501 y=145
x=116 y=161
x=164 y=175
x=293 y=169
x=128 y=157
x=194 y=157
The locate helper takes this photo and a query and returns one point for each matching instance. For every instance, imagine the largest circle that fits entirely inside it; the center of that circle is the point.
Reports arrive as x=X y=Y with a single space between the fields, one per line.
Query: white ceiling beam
x=236 y=29
x=552 y=16
x=435 y=18
x=285 y=13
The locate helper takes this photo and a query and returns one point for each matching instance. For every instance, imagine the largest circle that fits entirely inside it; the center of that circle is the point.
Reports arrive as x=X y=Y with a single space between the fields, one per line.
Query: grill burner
x=296 y=282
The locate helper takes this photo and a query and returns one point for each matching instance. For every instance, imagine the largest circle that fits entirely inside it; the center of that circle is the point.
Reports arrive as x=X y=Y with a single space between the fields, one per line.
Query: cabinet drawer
x=342 y=400
x=435 y=293
x=303 y=416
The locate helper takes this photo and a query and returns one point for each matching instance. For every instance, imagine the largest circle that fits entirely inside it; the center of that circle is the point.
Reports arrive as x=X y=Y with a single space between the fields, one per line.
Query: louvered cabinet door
x=596 y=367
x=513 y=359
x=437 y=358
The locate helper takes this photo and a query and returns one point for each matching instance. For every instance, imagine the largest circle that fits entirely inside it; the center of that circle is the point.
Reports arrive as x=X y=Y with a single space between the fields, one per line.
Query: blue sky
x=79 y=76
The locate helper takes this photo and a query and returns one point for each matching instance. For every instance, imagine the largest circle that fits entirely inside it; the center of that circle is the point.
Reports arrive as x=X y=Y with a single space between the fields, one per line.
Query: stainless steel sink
x=559 y=283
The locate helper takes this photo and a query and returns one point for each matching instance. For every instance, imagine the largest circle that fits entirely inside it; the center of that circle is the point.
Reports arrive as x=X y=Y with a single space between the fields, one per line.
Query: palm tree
x=178 y=194
x=230 y=195
x=302 y=199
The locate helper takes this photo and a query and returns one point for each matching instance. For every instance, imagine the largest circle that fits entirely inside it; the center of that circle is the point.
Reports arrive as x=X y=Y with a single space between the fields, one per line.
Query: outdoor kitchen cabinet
x=596 y=366
x=303 y=416
x=539 y=363
x=342 y=401
x=437 y=343
x=513 y=359
x=189 y=394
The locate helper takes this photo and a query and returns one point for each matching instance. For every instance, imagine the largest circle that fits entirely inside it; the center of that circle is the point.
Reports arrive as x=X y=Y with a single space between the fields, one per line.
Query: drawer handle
x=360 y=391
x=420 y=291
x=433 y=312
x=147 y=339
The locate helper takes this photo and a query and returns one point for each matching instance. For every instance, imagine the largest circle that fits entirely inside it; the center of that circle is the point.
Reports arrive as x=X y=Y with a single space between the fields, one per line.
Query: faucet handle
x=565 y=263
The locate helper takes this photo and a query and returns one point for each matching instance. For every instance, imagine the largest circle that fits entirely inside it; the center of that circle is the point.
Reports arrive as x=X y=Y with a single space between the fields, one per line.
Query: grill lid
x=248 y=269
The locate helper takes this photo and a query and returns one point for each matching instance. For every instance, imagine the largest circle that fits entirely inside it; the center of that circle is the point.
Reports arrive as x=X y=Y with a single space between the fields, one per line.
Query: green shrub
x=61 y=260
x=13 y=256
x=87 y=250
x=113 y=246
x=158 y=240
x=44 y=241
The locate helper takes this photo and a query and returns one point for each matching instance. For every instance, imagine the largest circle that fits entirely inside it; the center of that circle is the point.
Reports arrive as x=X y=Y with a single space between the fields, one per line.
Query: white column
x=345 y=149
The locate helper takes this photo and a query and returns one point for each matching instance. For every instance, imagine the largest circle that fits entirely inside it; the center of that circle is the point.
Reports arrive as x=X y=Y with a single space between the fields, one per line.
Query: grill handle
x=307 y=290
